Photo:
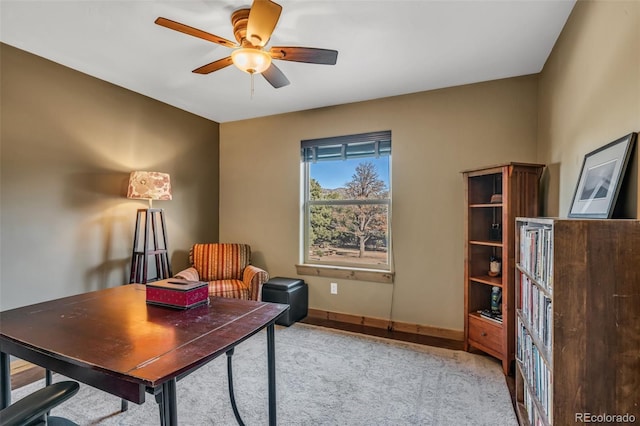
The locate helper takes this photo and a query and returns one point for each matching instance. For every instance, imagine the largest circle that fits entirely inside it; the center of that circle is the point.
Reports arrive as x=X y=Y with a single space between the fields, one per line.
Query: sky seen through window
x=335 y=174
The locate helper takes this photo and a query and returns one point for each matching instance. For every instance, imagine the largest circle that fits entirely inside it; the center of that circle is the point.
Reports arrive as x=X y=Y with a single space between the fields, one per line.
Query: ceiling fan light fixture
x=251 y=60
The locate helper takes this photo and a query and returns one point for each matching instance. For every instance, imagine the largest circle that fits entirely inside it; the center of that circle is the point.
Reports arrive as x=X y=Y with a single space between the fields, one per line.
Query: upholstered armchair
x=228 y=270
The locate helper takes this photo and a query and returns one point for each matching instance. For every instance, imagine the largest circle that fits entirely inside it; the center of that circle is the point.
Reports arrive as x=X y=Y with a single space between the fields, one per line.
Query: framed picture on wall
x=600 y=179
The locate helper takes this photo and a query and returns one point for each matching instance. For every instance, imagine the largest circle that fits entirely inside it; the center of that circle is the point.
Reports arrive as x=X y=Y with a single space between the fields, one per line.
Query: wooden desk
x=112 y=340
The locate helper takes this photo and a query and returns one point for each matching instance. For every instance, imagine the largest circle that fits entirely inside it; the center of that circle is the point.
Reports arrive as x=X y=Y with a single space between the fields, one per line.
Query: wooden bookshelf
x=489 y=232
x=578 y=321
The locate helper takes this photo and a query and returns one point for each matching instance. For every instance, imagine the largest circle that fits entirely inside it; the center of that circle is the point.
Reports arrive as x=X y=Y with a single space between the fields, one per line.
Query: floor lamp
x=150 y=237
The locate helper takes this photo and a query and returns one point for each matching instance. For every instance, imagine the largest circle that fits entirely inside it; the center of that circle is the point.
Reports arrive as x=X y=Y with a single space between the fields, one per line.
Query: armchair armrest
x=254 y=277
x=189 y=274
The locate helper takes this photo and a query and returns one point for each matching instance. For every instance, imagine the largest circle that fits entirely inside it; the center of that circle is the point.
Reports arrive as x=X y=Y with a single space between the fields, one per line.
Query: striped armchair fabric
x=228 y=270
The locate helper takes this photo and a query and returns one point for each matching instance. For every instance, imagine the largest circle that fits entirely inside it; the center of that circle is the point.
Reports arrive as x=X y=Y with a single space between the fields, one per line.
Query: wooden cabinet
x=578 y=321
x=494 y=197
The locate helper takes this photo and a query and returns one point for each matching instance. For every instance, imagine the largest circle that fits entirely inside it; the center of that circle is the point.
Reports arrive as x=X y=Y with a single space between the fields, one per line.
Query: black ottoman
x=291 y=291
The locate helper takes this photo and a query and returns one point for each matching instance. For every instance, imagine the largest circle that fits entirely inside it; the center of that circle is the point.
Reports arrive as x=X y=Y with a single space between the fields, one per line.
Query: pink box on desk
x=177 y=293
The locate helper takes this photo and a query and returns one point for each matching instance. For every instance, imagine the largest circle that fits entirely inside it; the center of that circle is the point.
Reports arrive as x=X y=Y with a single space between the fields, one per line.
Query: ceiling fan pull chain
x=252 y=86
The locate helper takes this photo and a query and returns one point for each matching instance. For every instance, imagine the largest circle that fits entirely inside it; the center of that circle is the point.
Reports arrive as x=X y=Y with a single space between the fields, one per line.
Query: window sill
x=372 y=275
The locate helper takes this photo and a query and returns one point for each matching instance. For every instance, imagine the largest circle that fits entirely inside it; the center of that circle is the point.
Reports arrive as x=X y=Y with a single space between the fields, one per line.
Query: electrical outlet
x=334 y=288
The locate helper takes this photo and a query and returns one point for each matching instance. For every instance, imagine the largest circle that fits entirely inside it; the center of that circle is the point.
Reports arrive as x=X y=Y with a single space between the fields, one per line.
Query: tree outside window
x=347 y=205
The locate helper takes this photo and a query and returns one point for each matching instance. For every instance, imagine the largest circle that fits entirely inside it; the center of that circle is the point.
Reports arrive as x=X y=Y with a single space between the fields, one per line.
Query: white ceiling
x=386 y=48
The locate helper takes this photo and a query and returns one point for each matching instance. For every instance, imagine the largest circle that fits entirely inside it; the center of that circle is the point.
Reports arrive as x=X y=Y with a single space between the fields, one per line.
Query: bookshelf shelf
x=486 y=279
x=481 y=318
x=542 y=348
x=578 y=316
x=533 y=280
x=485 y=205
x=486 y=243
x=489 y=233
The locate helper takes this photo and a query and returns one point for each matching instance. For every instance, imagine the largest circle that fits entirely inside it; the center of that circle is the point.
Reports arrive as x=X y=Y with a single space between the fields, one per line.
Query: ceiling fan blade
x=177 y=26
x=309 y=55
x=263 y=18
x=275 y=76
x=214 y=66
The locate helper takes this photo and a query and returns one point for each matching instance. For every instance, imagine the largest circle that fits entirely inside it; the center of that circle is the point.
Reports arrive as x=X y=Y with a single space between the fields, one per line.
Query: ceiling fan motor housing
x=239 y=20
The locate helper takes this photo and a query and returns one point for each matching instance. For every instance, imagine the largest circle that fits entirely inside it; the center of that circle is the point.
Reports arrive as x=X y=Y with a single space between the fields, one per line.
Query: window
x=347 y=201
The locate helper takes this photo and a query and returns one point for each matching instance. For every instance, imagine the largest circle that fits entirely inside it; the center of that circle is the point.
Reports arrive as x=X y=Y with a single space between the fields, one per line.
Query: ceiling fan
x=252 y=29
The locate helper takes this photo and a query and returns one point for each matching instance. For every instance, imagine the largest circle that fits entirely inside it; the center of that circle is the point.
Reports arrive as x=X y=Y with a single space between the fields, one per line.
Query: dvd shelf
x=494 y=196
x=578 y=313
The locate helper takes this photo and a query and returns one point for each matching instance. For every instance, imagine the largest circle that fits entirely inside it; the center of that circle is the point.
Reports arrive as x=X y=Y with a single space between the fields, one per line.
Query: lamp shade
x=149 y=186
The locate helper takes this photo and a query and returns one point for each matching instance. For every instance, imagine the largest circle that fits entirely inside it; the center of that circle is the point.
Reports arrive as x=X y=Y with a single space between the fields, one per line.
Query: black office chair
x=32 y=409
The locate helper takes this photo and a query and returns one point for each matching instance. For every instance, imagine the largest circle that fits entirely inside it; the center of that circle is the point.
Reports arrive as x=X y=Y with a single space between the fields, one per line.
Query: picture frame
x=600 y=179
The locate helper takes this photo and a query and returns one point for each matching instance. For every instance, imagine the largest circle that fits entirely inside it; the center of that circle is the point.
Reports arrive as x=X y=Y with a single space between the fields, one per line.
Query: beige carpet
x=324 y=377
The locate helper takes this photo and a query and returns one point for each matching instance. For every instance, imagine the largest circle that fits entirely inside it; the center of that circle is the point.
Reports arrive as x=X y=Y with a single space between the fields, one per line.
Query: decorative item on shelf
x=148 y=232
x=486 y=313
x=495 y=232
x=496 y=198
x=601 y=178
x=496 y=300
x=495 y=267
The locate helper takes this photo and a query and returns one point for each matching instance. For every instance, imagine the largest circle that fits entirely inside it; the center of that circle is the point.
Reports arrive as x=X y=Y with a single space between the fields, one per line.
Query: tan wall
x=435 y=136
x=69 y=142
x=589 y=96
